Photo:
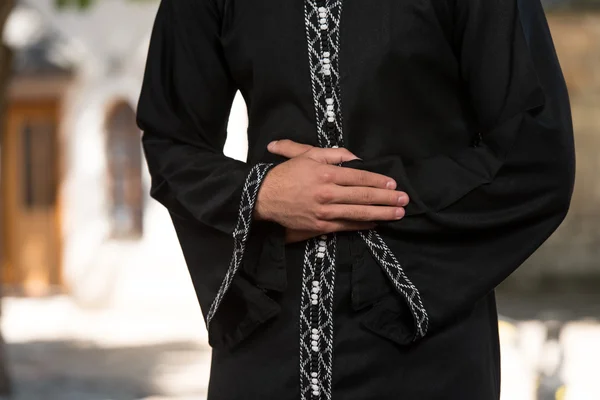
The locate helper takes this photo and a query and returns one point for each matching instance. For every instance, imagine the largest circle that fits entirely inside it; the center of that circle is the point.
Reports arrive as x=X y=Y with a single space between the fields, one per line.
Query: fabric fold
x=240 y=234
x=478 y=212
x=388 y=261
x=183 y=110
x=265 y=257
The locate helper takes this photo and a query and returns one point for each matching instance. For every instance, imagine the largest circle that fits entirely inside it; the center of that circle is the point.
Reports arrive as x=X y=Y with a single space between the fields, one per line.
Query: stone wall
x=574 y=250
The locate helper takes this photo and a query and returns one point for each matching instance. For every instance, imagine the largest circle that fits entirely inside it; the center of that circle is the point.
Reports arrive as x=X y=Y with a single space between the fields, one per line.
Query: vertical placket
x=322 y=18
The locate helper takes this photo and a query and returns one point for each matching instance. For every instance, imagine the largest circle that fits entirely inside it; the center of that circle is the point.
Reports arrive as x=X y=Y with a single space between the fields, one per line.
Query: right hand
x=310 y=195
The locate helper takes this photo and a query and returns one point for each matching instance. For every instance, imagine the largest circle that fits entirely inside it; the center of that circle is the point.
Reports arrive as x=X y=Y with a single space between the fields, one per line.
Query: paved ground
x=61 y=352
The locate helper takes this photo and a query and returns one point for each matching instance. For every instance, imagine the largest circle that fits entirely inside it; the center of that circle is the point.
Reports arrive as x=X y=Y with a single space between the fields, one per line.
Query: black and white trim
x=316 y=318
x=241 y=231
x=322 y=19
x=388 y=261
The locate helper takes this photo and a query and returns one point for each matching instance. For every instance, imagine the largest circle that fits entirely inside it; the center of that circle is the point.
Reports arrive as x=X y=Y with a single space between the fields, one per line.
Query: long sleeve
x=478 y=213
x=183 y=111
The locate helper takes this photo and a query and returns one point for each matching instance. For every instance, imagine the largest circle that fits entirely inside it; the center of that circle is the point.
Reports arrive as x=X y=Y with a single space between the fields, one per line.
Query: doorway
x=30 y=181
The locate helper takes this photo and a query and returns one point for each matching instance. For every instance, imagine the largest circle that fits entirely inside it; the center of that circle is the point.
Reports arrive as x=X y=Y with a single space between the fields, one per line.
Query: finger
x=288 y=148
x=331 y=155
x=362 y=213
x=355 y=177
x=343 y=226
x=368 y=196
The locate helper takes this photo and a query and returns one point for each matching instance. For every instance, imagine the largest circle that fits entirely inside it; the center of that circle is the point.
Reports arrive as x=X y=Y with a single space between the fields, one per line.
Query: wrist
x=258 y=214
x=261 y=210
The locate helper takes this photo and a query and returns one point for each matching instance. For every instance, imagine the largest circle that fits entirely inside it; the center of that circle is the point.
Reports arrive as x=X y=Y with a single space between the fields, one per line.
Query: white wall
x=108 y=43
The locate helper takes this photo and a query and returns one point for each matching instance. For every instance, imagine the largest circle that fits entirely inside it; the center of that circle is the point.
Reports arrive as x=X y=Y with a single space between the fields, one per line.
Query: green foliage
x=81 y=4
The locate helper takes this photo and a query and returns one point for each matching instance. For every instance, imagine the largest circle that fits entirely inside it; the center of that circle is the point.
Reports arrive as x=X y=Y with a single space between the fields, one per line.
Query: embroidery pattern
x=316 y=318
x=395 y=273
x=322 y=20
x=241 y=231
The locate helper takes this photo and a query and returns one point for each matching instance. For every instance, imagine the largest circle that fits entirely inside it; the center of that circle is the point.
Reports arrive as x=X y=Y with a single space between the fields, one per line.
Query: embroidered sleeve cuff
x=403 y=286
x=241 y=233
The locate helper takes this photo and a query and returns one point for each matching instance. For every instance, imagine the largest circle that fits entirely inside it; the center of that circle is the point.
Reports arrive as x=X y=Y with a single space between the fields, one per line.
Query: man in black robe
x=404 y=158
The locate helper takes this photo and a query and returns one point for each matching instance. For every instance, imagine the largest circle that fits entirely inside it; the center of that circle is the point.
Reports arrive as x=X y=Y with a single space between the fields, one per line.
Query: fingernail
x=402 y=200
x=399 y=213
x=391 y=185
x=271 y=145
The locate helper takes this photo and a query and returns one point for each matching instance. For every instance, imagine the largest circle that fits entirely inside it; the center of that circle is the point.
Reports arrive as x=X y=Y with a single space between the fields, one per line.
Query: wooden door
x=30 y=179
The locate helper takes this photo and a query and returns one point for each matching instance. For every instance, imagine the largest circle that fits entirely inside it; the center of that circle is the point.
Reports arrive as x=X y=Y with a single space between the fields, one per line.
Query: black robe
x=462 y=102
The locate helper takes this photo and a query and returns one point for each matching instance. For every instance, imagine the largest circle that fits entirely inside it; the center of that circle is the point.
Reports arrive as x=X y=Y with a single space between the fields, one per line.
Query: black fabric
x=458 y=362
x=264 y=260
x=461 y=101
x=183 y=110
x=477 y=213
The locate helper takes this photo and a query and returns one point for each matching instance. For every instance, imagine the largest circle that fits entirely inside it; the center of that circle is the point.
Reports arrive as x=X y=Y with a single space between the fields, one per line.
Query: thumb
x=332 y=156
x=288 y=148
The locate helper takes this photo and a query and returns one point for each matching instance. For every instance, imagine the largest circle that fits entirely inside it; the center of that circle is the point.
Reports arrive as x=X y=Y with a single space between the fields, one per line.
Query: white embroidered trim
x=316 y=318
x=240 y=233
x=322 y=20
x=323 y=50
x=394 y=271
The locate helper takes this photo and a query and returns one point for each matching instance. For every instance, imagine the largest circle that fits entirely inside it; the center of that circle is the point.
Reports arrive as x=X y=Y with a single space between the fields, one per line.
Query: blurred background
x=96 y=299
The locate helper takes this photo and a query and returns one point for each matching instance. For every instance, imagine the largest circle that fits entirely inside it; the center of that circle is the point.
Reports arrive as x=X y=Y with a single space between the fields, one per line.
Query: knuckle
x=362 y=215
x=320 y=226
x=322 y=213
x=393 y=199
x=353 y=213
x=352 y=177
x=376 y=180
x=324 y=195
x=366 y=196
x=362 y=177
x=325 y=175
